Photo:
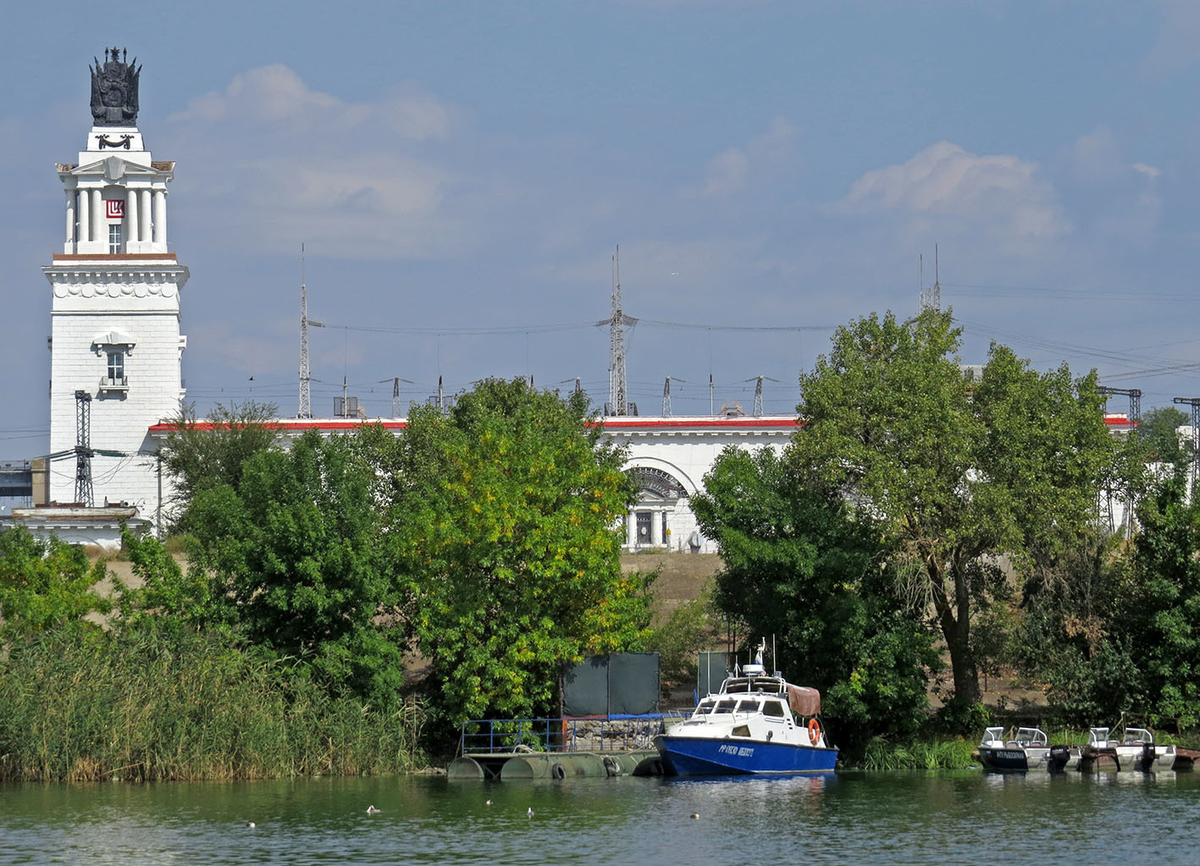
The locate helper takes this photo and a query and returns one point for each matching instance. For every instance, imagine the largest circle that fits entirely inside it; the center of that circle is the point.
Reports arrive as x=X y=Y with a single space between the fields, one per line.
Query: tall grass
x=942 y=754
x=154 y=707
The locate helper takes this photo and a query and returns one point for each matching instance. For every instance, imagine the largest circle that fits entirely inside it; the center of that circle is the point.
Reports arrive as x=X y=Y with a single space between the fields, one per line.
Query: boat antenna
x=774 y=657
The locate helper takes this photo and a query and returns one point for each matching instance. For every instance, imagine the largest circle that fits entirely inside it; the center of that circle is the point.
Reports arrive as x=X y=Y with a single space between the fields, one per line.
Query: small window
x=114 y=239
x=704 y=709
x=726 y=706
x=747 y=706
x=773 y=709
x=116 y=368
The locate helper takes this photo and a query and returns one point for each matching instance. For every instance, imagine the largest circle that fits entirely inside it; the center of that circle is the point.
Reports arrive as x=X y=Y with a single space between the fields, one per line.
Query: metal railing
x=490 y=736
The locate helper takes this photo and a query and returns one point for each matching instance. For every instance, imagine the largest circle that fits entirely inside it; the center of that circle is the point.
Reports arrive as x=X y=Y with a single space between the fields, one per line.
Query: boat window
x=773 y=708
x=725 y=706
x=704 y=709
x=747 y=706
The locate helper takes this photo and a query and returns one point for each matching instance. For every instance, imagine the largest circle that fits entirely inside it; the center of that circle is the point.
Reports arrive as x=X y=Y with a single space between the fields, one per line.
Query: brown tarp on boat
x=803 y=700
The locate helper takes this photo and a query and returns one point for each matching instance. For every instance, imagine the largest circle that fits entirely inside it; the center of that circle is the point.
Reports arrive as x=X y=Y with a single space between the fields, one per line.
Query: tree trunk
x=954 y=617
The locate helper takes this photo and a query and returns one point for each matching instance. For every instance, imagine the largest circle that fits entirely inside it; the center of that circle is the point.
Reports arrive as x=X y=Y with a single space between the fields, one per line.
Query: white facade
x=115 y=319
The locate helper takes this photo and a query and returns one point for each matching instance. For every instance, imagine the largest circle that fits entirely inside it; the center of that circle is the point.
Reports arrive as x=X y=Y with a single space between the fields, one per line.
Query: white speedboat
x=1026 y=749
x=755 y=724
x=1135 y=750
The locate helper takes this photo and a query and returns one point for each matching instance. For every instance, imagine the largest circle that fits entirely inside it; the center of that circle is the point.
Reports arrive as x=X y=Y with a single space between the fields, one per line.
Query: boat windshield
x=773 y=708
x=1031 y=736
x=725 y=706
x=1138 y=736
x=747 y=706
x=704 y=708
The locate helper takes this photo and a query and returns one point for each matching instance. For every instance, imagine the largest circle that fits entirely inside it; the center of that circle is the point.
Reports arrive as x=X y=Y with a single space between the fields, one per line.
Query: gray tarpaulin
x=619 y=684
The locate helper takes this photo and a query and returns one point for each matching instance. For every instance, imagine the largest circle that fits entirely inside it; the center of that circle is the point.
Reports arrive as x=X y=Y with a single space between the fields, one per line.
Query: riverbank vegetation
x=348 y=601
x=926 y=513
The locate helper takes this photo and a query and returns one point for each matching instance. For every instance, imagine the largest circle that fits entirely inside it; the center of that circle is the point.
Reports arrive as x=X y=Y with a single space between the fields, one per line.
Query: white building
x=115 y=342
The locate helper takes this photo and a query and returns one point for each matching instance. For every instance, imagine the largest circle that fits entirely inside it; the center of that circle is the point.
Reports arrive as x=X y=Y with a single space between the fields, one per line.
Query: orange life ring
x=814 y=731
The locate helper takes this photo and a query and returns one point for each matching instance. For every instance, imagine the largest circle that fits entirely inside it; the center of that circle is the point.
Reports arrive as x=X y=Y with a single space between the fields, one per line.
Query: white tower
x=114 y=313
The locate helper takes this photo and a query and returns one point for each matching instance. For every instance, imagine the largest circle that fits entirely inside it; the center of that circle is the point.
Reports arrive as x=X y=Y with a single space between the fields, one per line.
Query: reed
x=153 y=707
x=939 y=754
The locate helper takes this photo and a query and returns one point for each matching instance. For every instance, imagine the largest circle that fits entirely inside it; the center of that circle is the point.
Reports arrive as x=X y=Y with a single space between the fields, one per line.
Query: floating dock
x=510 y=766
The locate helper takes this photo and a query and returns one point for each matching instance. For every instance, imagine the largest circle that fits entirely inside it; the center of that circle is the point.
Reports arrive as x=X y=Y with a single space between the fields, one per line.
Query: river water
x=882 y=817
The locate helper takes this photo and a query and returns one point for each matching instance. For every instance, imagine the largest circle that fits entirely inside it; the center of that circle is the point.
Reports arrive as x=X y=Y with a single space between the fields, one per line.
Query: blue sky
x=461 y=173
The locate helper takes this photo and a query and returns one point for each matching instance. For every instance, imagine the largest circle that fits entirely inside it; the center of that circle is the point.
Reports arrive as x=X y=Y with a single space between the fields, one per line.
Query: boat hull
x=705 y=756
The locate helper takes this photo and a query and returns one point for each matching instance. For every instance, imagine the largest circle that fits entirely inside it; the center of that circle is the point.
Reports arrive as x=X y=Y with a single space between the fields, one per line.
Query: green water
x=963 y=816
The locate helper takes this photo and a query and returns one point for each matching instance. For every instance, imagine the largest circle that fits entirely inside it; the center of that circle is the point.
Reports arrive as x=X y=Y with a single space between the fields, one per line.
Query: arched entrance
x=649 y=522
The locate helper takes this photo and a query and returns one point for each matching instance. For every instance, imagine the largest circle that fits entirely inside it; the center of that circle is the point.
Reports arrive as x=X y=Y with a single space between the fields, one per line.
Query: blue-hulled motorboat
x=755 y=724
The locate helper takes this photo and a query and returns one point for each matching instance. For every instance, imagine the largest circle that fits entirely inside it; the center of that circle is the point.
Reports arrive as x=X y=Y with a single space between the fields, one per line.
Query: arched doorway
x=648 y=524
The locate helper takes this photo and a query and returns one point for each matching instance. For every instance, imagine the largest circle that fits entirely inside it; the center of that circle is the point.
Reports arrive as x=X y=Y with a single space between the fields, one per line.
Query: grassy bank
x=153 y=707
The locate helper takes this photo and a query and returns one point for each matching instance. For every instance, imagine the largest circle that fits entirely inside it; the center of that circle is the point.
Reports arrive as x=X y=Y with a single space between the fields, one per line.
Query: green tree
x=44 y=584
x=799 y=564
x=1160 y=617
x=957 y=471
x=503 y=520
x=1157 y=434
x=202 y=454
x=296 y=562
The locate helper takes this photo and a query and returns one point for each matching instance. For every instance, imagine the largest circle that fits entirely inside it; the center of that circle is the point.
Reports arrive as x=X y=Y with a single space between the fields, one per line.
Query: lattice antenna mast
x=758 y=400
x=618 y=395
x=305 y=410
x=921 y=299
x=83 y=448
x=935 y=299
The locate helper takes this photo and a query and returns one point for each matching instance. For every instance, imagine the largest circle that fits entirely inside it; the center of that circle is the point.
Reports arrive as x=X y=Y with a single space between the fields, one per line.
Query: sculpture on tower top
x=115 y=89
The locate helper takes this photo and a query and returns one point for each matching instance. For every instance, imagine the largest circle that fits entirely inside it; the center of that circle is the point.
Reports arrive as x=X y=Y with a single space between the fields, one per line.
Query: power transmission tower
x=305 y=410
x=666 y=407
x=1135 y=400
x=618 y=398
x=1194 y=402
x=931 y=300
x=83 y=448
x=758 y=401
x=396 y=380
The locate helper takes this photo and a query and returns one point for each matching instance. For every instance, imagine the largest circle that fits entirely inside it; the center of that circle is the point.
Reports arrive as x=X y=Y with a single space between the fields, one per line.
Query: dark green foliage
x=798 y=566
x=502 y=521
x=44 y=584
x=954 y=471
x=295 y=561
x=1158 y=437
x=1160 y=618
x=153 y=706
x=200 y=455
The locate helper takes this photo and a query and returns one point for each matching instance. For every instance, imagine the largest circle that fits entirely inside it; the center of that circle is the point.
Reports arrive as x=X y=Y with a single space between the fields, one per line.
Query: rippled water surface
x=965 y=816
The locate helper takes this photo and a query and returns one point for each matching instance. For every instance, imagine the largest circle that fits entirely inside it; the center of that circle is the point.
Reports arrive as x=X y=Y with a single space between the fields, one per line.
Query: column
x=630 y=529
x=160 y=218
x=144 y=212
x=129 y=231
x=85 y=216
x=99 y=219
x=70 y=239
x=656 y=529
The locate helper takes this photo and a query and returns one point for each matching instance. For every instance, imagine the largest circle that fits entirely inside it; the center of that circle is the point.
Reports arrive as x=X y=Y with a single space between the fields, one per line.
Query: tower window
x=116 y=368
x=114 y=239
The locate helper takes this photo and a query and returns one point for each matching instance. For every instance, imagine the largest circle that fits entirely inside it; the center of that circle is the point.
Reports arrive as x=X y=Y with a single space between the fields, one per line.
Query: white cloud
x=729 y=172
x=358 y=178
x=1002 y=192
x=1148 y=170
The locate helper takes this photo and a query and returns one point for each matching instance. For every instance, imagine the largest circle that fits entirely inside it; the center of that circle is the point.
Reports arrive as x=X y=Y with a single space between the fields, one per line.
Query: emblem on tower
x=115 y=89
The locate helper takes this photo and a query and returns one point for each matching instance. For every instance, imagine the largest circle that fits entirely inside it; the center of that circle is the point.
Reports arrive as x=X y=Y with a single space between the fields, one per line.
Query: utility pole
x=758 y=400
x=83 y=448
x=1194 y=402
x=666 y=406
x=1135 y=400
